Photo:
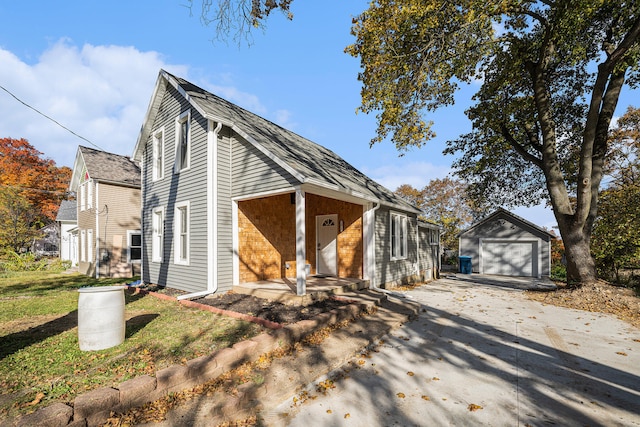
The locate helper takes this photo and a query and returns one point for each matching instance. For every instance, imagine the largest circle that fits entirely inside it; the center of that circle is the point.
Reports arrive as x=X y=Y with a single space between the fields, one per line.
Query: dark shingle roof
x=310 y=162
x=67 y=211
x=103 y=166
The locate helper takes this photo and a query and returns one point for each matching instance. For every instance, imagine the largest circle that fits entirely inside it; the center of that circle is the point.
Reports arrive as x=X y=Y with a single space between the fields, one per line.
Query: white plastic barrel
x=101 y=321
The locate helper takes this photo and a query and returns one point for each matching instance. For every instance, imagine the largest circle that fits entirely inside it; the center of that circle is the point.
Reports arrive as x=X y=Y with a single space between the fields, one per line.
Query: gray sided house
x=229 y=197
x=505 y=244
x=107 y=188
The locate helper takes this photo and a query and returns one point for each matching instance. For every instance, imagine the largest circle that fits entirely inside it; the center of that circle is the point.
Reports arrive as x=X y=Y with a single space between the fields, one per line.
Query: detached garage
x=507 y=245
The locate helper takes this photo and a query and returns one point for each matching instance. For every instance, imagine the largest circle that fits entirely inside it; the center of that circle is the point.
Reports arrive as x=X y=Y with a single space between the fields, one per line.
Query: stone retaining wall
x=93 y=408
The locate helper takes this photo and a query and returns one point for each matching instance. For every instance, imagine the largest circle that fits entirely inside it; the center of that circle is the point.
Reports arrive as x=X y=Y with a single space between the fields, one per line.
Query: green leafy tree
x=19 y=223
x=32 y=188
x=623 y=161
x=550 y=75
x=616 y=234
x=445 y=202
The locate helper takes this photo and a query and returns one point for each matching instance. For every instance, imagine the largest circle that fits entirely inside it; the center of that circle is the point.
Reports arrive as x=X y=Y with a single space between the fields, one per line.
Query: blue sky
x=92 y=66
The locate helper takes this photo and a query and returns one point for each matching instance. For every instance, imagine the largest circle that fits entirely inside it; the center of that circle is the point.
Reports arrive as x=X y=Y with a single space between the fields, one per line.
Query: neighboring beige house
x=107 y=188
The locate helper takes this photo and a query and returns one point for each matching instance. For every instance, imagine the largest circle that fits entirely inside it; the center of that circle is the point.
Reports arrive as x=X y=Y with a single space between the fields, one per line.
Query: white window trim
x=129 y=234
x=83 y=245
x=157 y=245
x=89 y=185
x=158 y=147
x=184 y=117
x=400 y=240
x=177 y=233
x=82 y=197
x=90 y=244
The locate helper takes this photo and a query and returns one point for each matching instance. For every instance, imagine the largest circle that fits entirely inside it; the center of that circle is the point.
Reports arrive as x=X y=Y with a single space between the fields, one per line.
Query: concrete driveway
x=480 y=354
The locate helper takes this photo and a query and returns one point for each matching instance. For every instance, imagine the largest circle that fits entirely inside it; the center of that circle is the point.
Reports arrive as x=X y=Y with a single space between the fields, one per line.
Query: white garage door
x=507 y=258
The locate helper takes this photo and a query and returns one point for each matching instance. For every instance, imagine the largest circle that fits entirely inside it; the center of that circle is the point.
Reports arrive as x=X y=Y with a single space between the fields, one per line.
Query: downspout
x=212 y=214
x=372 y=249
x=418 y=249
x=95 y=244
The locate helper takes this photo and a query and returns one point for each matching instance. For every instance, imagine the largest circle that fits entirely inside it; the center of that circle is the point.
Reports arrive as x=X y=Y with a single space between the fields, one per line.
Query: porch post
x=301 y=239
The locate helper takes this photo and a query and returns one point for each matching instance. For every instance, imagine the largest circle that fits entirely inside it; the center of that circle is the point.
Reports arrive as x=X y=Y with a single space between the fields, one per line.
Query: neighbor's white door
x=327 y=244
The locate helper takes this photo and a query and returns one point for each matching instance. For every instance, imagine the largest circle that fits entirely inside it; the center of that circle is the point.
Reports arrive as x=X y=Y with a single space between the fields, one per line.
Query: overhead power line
x=49 y=118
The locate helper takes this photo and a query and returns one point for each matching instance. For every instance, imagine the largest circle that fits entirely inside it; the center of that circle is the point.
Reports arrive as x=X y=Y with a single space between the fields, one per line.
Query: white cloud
x=283 y=118
x=416 y=174
x=100 y=92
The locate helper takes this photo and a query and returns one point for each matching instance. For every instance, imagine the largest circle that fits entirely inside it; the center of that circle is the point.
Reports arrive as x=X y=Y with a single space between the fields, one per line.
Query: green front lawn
x=41 y=363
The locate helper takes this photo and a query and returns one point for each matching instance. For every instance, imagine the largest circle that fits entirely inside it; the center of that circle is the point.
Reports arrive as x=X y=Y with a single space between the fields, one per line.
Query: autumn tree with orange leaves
x=31 y=188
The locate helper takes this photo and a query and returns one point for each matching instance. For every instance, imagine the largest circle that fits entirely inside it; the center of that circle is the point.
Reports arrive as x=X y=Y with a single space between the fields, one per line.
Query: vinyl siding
x=390 y=273
x=503 y=228
x=225 y=212
x=186 y=186
x=428 y=252
x=119 y=212
x=86 y=221
x=254 y=172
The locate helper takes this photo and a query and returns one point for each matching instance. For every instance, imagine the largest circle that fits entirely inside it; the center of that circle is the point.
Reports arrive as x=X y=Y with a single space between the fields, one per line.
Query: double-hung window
x=158 y=155
x=157 y=232
x=398 y=236
x=181 y=234
x=134 y=238
x=183 y=141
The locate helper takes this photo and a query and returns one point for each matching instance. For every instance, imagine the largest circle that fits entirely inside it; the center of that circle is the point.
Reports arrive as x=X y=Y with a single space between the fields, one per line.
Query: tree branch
x=518 y=147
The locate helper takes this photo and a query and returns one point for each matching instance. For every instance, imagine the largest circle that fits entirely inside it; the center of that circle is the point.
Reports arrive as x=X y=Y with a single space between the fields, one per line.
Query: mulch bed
x=269 y=310
x=259 y=307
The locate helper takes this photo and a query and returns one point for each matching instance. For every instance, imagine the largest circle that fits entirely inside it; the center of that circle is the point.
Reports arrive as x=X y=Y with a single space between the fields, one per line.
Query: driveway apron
x=483 y=355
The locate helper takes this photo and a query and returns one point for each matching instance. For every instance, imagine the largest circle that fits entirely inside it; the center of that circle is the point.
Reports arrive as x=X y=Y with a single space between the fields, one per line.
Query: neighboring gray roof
x=429 y=224
x=306 y=160
x=67 y=211
x=503 y=211
x=103 y=166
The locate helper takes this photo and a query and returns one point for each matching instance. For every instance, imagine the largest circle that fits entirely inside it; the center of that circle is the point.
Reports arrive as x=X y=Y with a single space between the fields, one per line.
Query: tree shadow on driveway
x=466 y=363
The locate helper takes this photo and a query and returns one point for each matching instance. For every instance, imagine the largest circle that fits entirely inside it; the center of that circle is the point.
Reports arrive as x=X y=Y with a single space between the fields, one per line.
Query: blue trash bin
x=465 y=264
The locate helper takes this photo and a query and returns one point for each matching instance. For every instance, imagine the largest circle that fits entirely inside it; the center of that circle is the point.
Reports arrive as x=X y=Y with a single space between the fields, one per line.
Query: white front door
x=327 y=244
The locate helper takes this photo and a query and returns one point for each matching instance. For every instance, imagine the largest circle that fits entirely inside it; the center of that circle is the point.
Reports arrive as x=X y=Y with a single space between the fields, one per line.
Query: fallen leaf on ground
x=37 y=400
x=410 y=373
x=425 y=397
x=473 y=407
x=621 y=353
x=329 y=411
x=400 y=395
x=436 y=379
x=347 y=415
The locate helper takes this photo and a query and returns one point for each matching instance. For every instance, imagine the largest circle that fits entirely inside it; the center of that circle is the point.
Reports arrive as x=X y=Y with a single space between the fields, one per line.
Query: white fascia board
x=77 y=170
x=152 y=109
x=252 y=196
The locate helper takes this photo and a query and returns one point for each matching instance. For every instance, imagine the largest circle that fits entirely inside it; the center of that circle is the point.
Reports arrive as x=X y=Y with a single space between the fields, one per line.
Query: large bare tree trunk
x=581 y=268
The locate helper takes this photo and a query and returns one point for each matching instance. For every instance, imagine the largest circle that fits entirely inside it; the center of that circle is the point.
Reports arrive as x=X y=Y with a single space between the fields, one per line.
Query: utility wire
x=53 y=120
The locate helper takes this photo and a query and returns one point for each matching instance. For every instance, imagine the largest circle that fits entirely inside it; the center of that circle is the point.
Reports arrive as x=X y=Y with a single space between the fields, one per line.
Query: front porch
x=284 y=290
